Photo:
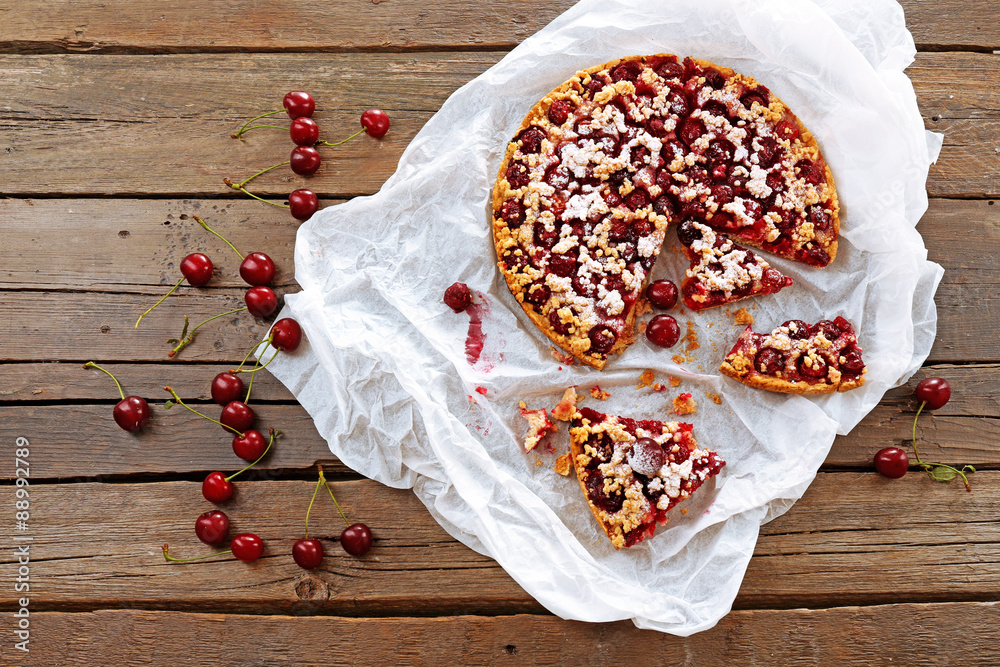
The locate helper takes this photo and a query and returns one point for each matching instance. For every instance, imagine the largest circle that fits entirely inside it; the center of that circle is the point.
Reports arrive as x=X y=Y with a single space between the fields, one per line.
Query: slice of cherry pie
x=721 y=271
x=601 y=166
x=633 y=472
x=797 y=358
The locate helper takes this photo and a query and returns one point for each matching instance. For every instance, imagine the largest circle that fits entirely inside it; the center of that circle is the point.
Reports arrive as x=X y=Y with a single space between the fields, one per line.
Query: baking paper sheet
x=384 y=371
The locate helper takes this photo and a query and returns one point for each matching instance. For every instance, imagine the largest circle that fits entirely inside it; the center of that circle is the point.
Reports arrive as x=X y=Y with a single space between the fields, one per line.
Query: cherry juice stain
x=476 y=339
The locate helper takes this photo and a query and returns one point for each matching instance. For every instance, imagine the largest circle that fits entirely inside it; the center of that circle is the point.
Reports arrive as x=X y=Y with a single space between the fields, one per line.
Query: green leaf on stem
x=943 y=474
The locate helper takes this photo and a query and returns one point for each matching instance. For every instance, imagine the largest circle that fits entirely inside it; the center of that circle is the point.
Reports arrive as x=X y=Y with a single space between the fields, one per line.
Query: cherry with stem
x=933 y=393
x=357 y=538
x=218 y=488
x=196 y=268
x=308 y=551
x=256 y=268
x=177 y=401
x=247 y=547
x=297 y=104
x=132 y=412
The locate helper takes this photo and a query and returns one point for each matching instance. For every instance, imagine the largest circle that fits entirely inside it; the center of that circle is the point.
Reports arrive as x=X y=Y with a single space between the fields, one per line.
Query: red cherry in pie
x=633 y=472
x=798 y=358
x=721 y=271
x=601 y=166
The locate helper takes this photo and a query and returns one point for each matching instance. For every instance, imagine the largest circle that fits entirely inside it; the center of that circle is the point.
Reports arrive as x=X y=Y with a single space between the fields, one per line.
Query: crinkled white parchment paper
x=384 y=371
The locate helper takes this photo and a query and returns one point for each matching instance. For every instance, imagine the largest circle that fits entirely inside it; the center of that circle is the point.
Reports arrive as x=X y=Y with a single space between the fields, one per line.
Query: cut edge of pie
x=578 y=342
x=683 y=468
x=745 y=362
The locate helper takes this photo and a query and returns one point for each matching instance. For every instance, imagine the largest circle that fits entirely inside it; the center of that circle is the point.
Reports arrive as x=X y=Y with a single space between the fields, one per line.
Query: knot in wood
x=312 y=588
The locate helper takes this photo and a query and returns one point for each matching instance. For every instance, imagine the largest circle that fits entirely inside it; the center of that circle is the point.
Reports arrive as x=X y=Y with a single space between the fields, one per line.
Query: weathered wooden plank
x=285 y=25
x=795 y=636
x=853 y=539
x=165 y=131
x=312 y=25
x=134 y=244
x=65 y=381
x=962 y=432
x=102 y=325
x=145 y=259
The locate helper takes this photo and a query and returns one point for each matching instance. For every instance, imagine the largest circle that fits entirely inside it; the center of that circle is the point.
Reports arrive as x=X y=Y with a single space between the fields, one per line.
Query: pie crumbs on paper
x=646 y=379
x=564 y=464
x=742 y=317
x=567 y=406
x=539 y=425
x=685 y=405
x=599 y=393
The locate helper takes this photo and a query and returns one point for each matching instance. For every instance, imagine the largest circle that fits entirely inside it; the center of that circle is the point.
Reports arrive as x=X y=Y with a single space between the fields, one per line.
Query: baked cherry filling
x=821 y=357
x=634 y=471
x=630 y=148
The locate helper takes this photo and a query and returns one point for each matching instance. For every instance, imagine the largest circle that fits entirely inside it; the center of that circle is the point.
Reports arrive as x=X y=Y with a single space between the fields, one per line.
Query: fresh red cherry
x=299 y=103
x=892 y=462
x=356 y=539
x=304 y=131
x=247 y=547
x=212 y=527
x=226 y=388
x=375 y=122
x=308 y=553
x=302 y=204
x=305 y=160
x=286 y=334
x=663 y=330
x=458 y=297
x=933 y=392
x=237 y=415
x=250 y=446
x=197 y=268
x=216 y=488
x=662 y=294
x=257 y=269
x=132 y=413
x=261 y=301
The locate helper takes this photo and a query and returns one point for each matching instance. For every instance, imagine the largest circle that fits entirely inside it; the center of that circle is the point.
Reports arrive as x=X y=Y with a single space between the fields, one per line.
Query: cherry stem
x=185 y=405
x=259 y=173
x=202 y=223
x=927 y=465
x=244 y=129
x=91 y=364
x=327 y=485
x=266 y=450
x=250 y=194
x=252 y=349
x=257 y=366
x=257 y=127
x=171 y=559
x=176 y=285
x=313 y=499
x=187 y=340
x=344 y=141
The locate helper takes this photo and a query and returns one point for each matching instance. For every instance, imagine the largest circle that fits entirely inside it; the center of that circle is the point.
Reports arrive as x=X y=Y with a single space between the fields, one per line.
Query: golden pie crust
x=596 y=326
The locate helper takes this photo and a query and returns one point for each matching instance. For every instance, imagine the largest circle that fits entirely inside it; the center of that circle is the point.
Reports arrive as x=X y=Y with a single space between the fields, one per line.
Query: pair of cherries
x=212 y=528
x=893 y=462
x=305 y=159
x=356 y=539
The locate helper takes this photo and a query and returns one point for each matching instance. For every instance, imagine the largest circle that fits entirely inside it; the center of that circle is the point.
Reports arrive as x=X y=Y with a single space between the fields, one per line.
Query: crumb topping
x=602 y=165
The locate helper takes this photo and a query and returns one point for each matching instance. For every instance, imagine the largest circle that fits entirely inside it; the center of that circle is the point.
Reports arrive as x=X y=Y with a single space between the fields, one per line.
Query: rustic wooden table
x=114 y=130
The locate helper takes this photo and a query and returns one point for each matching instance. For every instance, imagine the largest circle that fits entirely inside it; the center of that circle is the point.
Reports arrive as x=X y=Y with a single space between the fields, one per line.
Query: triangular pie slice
x=633 y=472
x=721 y=271
x=601 y=166
x=798 y=358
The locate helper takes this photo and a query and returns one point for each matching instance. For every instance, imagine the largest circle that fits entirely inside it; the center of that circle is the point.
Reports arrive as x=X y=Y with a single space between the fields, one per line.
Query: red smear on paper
x=481 y=390
x=475 y=340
